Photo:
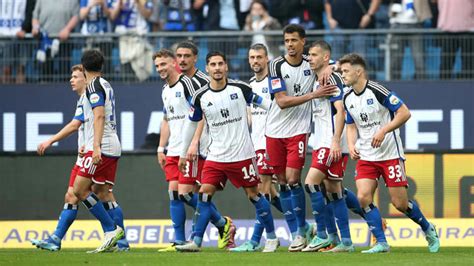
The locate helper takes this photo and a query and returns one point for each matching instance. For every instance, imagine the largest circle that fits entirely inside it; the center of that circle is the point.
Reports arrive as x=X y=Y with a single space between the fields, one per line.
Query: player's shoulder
x=186 y=81
x=201 y=78
x=275 y=65
x=252 y=80
x=377 y=88
x=238 y=83
x=336 y=79
x=95 y=86
x=348 y=93
x=199 y=93
x=306 y=58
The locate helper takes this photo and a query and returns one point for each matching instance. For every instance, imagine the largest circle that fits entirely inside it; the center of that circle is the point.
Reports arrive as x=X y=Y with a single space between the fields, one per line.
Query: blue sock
x=318 y=206
x=329 y=219
x=374 y=220
x=287 y=207
x=178 y=217
x=341 y=213
x=115 y=212
x=264 y=215
x=353 y=203
x=299 y=207
x=98 y=210
x=66 y=218
x=191 y=200
x=414 y=213
x=257 y=233
x=277 y=203
x=202 y=216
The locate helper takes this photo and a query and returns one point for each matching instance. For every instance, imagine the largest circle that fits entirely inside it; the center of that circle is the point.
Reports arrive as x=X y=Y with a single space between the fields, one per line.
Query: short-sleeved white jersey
x=370 y=110
x=296 y=80
x=225 y=112
x=202 y=80
x=176 y=106
x=259 y=115
x=100 y=93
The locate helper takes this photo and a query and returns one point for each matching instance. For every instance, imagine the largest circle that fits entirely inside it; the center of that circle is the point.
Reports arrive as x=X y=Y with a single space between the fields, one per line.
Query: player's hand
x=325 y=91
x=161 y=157
x=354 y=153
x=378 y=138
x=332 y=23
x=326 y=75
x=43 y=146
x=192 y=153
x=182 y=165
x=96 y=156
x=335 y=152
x=82 y=151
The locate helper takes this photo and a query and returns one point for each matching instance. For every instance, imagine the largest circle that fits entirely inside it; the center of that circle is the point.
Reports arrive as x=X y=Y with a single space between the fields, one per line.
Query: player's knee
x=400 y=205
x=70 y=198
x=364 y=200
x=80 y=194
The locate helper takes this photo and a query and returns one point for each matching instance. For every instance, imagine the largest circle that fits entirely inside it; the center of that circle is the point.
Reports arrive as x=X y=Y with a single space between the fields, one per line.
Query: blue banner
x=441 y=115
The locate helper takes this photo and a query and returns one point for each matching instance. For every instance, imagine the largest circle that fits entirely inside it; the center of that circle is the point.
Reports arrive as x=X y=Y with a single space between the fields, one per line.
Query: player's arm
x=164 y=137
x=189 y=129
x=99 y=122
x=402 y=114
x=66 y=131
x=194 y=146
x=285 y=101
x=335 y=151
x=351 y=134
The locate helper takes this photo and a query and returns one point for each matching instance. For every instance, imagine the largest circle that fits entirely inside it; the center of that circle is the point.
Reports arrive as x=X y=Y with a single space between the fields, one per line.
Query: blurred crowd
x=133 y=19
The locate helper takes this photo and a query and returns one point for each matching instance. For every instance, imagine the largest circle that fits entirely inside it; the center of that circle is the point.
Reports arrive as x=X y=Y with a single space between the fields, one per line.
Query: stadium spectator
x=350 y=14
x=409 y=14
x=16 y=21
x=94 y=15
x=260 y=20
x=52 y=17
x=130 y=18
x=308 y=13
x=456 y=19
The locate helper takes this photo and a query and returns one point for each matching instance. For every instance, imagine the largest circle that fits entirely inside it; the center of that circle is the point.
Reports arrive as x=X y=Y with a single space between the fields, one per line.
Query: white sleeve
x=188 y=133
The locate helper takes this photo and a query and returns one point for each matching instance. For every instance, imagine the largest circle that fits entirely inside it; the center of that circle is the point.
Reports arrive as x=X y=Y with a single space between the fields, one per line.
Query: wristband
x=160 y=149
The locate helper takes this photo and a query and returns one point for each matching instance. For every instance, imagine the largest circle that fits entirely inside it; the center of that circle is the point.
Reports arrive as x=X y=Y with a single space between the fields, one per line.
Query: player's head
x=165 y=63
x=78 y=79
x=92 y=60
x=258 y=57
x=186 y=56
x=353 y=68
x=295 y=38
x=319 y=55
x=216 y=65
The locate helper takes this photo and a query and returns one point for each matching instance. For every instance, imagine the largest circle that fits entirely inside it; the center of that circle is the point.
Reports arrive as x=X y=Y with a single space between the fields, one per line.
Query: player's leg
x=352 y=203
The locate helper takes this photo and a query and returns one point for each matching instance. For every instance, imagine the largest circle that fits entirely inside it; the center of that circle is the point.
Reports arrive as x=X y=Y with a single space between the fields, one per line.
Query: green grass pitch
x=211 y=256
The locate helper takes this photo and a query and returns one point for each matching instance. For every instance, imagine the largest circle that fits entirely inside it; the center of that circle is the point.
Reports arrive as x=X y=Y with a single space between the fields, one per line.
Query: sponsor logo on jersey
x=337 y=93
x=234 y=96
x=94 y=98
x=364 y=117
x=209 y=104
x=351 y=107
x=78 y=111
x=178 y=94
x=394 y=100
x=225 y=113
x=297 y=88
x=307 y=72
x=264 y=90
x=191 y=111
x=276 y=84
x=286 y=76
x=171 y=109
x=370 y=101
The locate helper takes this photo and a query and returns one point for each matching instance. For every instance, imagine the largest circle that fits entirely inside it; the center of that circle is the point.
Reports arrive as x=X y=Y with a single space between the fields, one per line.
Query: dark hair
x=92 y=60
x=353 y=59
x=322 y=44
x=290 y=28
x=163 y=52
x=188 y=45
x=259 y=46
x=215 y=53
x=262 y=3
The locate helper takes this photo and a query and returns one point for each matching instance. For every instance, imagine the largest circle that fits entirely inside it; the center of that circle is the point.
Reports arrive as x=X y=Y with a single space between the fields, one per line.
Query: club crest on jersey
x=370 y=101
x=276 y=83
x=178 y=94
x=78 y=111
x=394 y=100
x=234 y=96
x=94 y=98
x=307 y=72
x=264 y=90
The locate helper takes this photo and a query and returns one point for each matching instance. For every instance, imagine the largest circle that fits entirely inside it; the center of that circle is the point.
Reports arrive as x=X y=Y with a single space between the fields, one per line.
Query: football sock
x=66 y=218
x=374 y=220
x=299 y=207
x=329 y=219
x=202 y=216
x=115 y=212
x=287 y=207
x=275 y=201
x=414 y=213
x=99 y=212
x=318 y=206
x=264 y=214
x=352 y=203
x=257 y=233
x=338 y=204
x=178 y=216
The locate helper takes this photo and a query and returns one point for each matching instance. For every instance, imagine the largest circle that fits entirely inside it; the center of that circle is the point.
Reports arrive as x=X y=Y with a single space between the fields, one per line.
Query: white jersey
x=100 y=93
x=324 y=113
x=79 y=115
x=296 y=80
x=226 y=115
x=370 y=110
x=176 y=106
x=202 y=80
x=259 y=115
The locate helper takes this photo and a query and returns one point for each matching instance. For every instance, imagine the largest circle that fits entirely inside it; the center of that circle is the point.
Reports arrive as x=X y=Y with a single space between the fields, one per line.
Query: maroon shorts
x=262 y=165
x=102 y=173
x=392 y=171
x=286 y=152
x=240 y=174
x=333 y=170
x=193 y=170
